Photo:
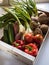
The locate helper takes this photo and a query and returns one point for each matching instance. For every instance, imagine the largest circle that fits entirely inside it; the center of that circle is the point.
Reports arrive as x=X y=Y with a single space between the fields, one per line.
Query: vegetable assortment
x=24 y=26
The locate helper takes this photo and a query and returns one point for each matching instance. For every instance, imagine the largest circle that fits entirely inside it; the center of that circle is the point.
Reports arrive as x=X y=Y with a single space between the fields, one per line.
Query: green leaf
x=12 y=13
x=22 y=12
x=4 y=24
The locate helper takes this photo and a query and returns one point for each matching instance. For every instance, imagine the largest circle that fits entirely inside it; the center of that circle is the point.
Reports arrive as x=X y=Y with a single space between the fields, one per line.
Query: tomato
x=28 y=37
x=38 y=38
x=31 y=49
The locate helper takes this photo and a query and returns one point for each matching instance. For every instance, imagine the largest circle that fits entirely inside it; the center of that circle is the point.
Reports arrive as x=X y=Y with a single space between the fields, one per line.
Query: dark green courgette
x=11 y=32
x=6 y=37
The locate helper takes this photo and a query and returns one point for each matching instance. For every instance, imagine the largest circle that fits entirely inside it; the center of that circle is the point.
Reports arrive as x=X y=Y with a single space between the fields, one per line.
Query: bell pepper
x=18 y=44
x=31 y=49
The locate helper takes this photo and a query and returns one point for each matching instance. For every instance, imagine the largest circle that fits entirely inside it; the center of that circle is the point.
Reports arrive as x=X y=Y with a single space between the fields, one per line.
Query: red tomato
x=38 y=38
x=28 y=37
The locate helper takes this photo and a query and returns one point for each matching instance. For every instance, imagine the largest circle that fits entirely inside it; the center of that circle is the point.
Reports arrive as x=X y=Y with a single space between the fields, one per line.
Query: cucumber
x=11 y=32
x=6 y=37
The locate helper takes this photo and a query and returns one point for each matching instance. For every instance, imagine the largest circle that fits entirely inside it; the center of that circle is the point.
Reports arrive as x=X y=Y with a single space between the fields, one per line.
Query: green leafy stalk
x=4 y=24
x=28 y=29
x=21 y=27
x=28 y=5
x=5 y=19
x=22 y=12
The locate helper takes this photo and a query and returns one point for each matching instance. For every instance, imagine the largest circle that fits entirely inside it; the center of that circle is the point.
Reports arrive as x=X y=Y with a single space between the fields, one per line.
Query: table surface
x=43 y=6
x=9 y=59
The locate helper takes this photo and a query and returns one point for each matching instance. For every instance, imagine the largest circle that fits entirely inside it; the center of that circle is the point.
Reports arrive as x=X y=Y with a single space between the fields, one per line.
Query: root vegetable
x=16 y=27
x=37 y=31
x=44 y=28
x=33 y=25
x=43 y=18
x=34 y=18
x=18 y=36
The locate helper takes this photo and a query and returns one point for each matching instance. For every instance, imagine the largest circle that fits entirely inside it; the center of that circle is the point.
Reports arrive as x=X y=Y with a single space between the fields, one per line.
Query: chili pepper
x=18 y=44
x=31 y=49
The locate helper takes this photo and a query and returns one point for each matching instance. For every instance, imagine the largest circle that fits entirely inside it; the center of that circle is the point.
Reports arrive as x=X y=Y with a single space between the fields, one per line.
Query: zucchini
x=11 y=32
x=6 y=37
